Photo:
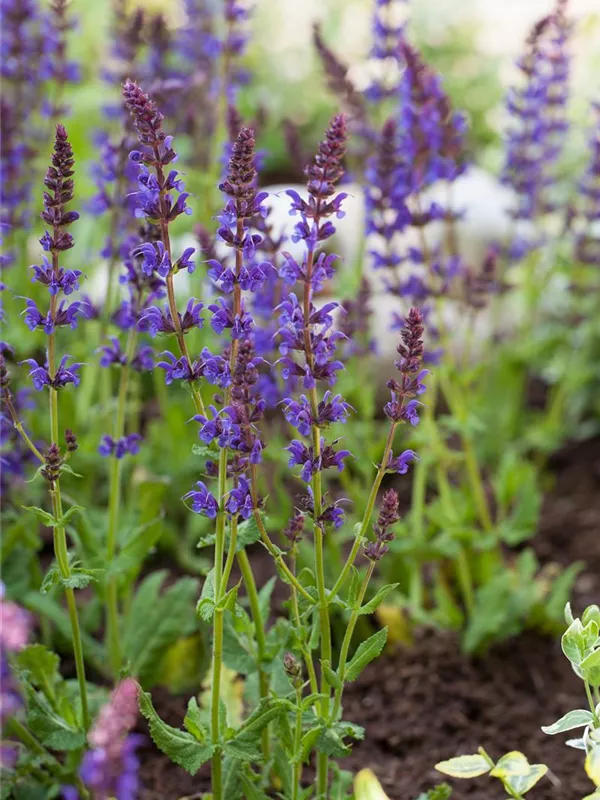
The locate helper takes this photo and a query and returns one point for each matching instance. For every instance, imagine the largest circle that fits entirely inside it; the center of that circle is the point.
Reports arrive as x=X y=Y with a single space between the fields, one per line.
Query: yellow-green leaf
x=523 y=783
x=513 y=763
x=592 y=765
x=464 y=766
x=367 y=787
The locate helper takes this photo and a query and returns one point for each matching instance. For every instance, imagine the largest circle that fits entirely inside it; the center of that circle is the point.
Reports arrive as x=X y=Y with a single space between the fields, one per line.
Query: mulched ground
x=428 y=703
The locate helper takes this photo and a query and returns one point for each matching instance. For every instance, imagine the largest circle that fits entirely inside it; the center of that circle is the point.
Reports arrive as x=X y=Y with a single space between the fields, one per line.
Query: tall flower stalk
x=54 y=374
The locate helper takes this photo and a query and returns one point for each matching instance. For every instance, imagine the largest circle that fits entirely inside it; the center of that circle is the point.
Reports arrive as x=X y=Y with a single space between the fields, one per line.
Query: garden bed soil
x=430 y=702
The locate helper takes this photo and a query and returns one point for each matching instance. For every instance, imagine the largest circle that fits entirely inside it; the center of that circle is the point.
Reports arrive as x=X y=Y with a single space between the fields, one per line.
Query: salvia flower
x=15 y=624
x=587 y=242
x=161 y=197
x=126 y=445
x=15 y=629
x=403 y=407
x=64 y=374
x=59 y=185
x=53 y=462
x=155 y=320
x=110 y=768
x=538 y=123
x=202 y=501
x=388 y=515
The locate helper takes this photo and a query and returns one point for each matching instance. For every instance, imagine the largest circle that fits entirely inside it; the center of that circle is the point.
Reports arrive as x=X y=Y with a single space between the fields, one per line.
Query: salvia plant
x=217 y=476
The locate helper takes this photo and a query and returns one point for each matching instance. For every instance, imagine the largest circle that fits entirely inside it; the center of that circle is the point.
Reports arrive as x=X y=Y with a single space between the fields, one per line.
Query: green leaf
x=577 y=718
x=140 y=542
x=203 y=450
x=248 y=533
x=78 y=579
x=571 y=642
x=206 y=605
x=48 y=608
x=354 y=586
x=41 y=666
x=264 y=598
x=366 y=652
x=192 y=722
x=236 y=649
x=440 y=792
x=50 y=728
x=44 y=517
x=511 y=764
x=180 y=746
x=227 y=603
x=590 y=661
x=521 y=784
x=333 y=679
x=464 y=766
x=49 y=520
x=243 y=750
x=376 y=601
x=331 y=743
x=156 y=621
x=309 y=740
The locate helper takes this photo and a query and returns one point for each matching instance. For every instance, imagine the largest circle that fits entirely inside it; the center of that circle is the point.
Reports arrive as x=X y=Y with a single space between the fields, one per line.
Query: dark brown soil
x=428 y=703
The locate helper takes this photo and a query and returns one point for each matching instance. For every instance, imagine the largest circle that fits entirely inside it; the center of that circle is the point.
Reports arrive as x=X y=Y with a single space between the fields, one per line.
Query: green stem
x=59 y=535
x=368 y=511
x=297 y=768
x=337 y=704
x=278 y=557
x=591 y=702
x=306 y=654
x=458 y=408
x=113 y=644
x=217 y=661
x=263 y=678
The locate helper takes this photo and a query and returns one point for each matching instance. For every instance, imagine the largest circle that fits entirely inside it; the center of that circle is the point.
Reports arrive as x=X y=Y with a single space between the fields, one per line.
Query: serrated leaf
x=248 y=533
x=366 y=652
x=243 y=750
x=192 y=722
x=331 y=743
x=572 y=719
x=376 y=601
x=180 y=746
x=79 y=578
x=351 y=729
x=236 y=650
x=50 y=728
x=155 y=621
x=464 y=766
